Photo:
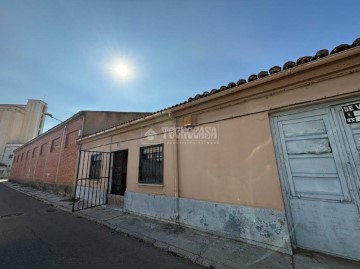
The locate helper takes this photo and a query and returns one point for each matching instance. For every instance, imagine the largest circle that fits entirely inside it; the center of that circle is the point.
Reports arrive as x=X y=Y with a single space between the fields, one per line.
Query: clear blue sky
x=60 y=50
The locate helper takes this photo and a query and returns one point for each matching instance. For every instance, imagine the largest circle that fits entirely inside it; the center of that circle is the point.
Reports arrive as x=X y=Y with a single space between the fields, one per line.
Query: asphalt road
x=36 y=235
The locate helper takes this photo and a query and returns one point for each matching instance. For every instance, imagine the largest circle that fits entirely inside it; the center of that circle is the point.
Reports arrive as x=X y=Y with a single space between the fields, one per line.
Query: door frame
x=273 y=118
x=112 y=168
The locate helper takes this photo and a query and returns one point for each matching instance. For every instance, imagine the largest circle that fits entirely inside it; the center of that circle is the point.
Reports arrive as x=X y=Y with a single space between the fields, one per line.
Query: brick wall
x=50 y=159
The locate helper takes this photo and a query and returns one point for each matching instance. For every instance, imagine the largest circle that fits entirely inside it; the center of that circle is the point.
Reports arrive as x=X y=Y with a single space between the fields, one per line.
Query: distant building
x=18 y=125
x=49 y=160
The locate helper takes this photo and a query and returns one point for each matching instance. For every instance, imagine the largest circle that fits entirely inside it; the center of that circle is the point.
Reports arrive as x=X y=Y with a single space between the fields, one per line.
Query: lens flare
x=121 y=70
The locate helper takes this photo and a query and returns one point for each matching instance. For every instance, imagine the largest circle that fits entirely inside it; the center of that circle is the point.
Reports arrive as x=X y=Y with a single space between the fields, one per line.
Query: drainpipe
x=177 y=191
x=176 y=171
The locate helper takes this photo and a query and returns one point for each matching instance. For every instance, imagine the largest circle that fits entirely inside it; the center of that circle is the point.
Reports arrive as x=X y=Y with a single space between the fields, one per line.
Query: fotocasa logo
x=204 y=135
x=191 y=133
x=150 y=134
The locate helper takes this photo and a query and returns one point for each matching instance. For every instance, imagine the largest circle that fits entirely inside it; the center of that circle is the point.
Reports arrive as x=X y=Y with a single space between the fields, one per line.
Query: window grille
x=151 y=164
x=95 y=166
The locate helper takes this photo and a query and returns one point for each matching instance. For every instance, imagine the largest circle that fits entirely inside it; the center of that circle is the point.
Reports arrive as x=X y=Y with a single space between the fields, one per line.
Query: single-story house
x=272 y=160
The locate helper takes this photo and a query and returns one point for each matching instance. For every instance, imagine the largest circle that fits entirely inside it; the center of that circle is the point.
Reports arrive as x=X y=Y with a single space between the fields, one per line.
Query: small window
x=34 y=152
x=55 y=145
x=22 y=156
x=67 y=140
x=70 y=139
x=52 y=145
x=95 y=166
x=43 y=148
x=11 y=156
x=27 y=154
x=151 y=164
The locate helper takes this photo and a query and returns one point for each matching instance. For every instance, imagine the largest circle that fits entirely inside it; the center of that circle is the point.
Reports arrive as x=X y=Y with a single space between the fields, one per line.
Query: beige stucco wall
x=242 y=168
x=132 y=141
x=230 y=172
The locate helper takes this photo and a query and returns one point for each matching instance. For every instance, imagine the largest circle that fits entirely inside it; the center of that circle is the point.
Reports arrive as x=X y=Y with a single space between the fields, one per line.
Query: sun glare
x=121 y=70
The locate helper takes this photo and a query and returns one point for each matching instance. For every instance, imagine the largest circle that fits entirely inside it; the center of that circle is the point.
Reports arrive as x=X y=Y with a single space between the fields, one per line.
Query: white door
x=318 y=172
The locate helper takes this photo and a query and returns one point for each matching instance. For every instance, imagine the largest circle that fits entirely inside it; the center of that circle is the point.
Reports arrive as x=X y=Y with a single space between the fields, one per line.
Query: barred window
x=151 y=164
x=95 y=166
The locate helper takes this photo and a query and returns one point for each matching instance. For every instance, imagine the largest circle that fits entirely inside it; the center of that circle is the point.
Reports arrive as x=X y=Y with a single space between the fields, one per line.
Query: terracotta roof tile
x=205 y=94
x=231 y=85
x=321 y=54
x=288 y=65
x=241 y=81
x=340 y=48
x=275 y=69
x=252 y=77
x=263 y=74
x=356 y=42
x=303 y=60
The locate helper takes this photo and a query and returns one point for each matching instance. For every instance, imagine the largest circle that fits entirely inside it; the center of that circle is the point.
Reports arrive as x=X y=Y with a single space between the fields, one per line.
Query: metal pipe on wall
x=176 y=171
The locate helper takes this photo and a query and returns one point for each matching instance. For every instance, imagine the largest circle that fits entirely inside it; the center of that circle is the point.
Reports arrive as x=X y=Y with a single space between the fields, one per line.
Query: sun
x=121 y=70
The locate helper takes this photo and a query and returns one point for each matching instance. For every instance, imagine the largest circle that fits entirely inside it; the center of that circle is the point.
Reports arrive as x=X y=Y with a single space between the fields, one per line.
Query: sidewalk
x=202 y=248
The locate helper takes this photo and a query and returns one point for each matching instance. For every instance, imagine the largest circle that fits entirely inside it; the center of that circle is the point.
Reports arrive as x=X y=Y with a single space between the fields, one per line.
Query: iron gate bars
x=92 y=180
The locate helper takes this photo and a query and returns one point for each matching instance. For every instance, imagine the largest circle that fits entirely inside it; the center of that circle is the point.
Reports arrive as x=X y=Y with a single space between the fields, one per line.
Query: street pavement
x=111 y=248
x=37 y=235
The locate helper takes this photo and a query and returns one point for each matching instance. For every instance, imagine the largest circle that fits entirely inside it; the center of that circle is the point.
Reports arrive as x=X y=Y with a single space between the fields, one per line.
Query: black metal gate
x=92 y=181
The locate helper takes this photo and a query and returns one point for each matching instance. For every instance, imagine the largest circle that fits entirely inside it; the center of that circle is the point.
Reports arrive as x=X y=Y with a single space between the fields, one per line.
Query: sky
x=64 y=51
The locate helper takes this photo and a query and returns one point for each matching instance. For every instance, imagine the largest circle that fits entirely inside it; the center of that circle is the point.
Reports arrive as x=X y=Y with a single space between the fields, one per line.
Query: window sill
x=150 y=185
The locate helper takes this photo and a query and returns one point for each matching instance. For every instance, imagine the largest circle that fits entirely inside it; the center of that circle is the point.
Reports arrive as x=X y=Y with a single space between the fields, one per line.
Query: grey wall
x=158 y=206
x=99 y=120
x=263 y=227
